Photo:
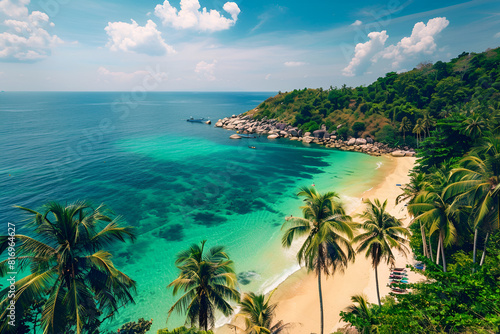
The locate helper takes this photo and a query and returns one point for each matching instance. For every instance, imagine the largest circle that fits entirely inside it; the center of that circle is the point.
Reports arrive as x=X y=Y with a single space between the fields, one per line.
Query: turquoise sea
x=176 y=182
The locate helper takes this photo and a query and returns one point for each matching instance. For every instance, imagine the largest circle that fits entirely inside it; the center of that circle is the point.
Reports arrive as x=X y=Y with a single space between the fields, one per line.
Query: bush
x=344 y=132
x=141 y=327
x=310 y=126
x=387 y=135
x=358 y=126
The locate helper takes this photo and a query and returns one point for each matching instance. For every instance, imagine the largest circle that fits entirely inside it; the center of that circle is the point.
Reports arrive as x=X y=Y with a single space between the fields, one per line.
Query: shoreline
x=297 y=295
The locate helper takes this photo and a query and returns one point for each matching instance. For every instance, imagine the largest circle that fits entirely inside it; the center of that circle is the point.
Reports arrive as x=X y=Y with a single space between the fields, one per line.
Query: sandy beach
x=297 y=296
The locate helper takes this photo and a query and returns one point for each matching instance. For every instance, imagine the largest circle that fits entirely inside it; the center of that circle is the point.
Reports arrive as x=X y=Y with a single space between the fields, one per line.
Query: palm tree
x=432 y=208
x=479 y=183
x=259 y=314
x=475 y=126
x=427 y=122
x=69 y=270
x=418 y=129
x=328 y=231
x=208 y=282
x=383 y=233
x=363 y=310
x=405 y=126
x=410 y=191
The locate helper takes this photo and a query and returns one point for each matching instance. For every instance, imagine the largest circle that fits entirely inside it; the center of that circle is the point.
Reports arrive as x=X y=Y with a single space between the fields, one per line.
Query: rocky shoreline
x=274 y=129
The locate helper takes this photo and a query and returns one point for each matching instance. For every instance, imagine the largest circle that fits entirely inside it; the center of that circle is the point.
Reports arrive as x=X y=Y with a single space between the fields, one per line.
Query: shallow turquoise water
x=176 y=182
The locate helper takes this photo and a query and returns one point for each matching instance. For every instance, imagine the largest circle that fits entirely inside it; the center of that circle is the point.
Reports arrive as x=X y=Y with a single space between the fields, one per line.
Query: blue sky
x=240 y=45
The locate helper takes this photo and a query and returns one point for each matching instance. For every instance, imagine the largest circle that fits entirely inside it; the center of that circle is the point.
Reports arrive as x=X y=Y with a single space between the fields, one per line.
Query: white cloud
x=11 y=9
x=26 y=38
x=364 y=53
x=268 y=76
x=206 y=70
x=497 y=35
x=421 y=41
x=131 y=37
x=357 y=23
x=190 y=16
x=107 y=75
x=294 y=63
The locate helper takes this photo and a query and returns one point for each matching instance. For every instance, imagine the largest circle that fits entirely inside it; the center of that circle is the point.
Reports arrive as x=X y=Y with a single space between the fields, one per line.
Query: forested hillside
x=397 y=107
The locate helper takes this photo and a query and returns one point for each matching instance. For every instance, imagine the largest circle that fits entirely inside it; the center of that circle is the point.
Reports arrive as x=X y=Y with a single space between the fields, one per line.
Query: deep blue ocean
x=176 y=182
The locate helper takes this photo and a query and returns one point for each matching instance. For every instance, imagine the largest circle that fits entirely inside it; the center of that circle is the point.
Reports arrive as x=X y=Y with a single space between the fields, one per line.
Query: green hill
x=468 y=83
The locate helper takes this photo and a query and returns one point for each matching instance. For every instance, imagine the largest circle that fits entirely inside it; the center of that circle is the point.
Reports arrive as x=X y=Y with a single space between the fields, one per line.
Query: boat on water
x=198 y=120
x=251 y=147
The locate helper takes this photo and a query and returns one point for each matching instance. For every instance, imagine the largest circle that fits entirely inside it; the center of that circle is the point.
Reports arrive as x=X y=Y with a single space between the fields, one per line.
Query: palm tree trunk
x=424 y=244
x=430 y=249
x=438 y=253
x=484 y=249
x=474 y=249
x=442 y=253
x=376 y=282
x=320 y=300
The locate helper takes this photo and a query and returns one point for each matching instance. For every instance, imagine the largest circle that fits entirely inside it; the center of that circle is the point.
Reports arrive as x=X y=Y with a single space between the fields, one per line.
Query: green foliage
x=310 y=126
x=141 y=327
x=470 y=82
x=387 y=135
x=358 y=127
x=183 y=330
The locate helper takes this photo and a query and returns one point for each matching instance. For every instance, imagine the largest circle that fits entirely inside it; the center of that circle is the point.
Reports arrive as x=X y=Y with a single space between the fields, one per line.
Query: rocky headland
x=247 y=125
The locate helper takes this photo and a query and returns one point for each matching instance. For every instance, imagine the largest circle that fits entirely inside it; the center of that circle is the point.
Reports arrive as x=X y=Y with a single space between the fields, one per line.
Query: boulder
x=319 y=133
x=293 y=132
x=369 y=140
x=272 y=136
x=307 y=134
x=294 y=138
x=351 y=142
x=235 y=136
x=219 y=124
x=398 y=154
x=360 y=141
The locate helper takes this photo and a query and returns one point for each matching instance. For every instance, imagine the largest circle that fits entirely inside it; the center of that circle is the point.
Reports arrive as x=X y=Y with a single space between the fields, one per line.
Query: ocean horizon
x=176 y=182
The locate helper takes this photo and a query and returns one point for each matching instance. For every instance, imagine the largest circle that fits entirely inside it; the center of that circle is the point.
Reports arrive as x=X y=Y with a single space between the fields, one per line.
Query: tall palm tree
x=432 y=208
x=328 y=231
x=404 y=127
x=208 y=282
x=69 y=268
x=418 y=129
x=479 y=183
x=410 y=191
x=383 y=233
x=427 y=122
x=259 y=314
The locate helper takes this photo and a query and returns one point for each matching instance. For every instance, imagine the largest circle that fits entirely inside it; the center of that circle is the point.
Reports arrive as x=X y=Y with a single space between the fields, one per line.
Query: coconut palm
x=479 y=184
x=327 y=231
x=418 y=129
x=259 y=314
x=475 y=126
x=383 y=233
x=427 y=122
x=208 y=282
x=404 y=127
x=410 y=190
x=433 y=209
x=365 y=311
x=69 y=269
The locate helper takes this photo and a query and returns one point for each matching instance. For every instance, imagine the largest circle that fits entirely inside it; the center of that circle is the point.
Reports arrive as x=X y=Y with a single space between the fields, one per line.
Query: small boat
x=252 y=147
x=198 y=120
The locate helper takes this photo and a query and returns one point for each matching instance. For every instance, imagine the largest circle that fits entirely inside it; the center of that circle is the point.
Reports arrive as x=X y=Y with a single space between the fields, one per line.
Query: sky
x=240 y=45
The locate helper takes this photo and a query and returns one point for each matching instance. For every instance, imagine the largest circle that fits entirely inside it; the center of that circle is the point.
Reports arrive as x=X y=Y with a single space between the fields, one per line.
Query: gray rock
x=319 y=133
x=272 y=136
x=369 y=140
x=351 y=142
x=398 y=154
x=360 y=141
x=235 y=136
